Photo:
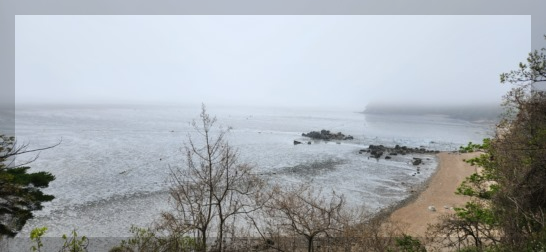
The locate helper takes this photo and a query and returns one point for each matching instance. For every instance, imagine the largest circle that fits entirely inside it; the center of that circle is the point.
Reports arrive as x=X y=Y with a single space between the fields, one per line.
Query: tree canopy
x=20 y=191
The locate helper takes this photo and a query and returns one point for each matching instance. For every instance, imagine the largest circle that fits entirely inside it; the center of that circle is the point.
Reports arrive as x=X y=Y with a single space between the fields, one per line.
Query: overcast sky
x=317 y=61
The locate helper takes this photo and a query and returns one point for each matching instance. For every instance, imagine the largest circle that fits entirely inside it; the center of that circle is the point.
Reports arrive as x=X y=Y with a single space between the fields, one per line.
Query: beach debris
x=446 y=207
x=432 y=208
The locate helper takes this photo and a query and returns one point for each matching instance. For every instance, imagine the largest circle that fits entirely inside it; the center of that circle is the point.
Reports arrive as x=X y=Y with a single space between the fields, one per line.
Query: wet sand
x=439 y=193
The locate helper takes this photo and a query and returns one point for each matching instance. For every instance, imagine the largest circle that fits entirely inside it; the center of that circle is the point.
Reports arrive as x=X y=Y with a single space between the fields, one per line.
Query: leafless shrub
x=212 y=188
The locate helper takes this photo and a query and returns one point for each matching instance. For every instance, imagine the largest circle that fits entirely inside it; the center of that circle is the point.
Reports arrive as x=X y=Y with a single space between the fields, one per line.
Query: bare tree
x=212 y=188
x=305 y=212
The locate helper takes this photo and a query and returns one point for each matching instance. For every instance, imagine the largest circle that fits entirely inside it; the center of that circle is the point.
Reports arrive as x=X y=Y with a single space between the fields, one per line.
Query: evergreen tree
x=20 y=191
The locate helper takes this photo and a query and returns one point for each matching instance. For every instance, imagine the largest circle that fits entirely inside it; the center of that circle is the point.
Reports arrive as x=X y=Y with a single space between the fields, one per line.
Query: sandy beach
x=415 y=215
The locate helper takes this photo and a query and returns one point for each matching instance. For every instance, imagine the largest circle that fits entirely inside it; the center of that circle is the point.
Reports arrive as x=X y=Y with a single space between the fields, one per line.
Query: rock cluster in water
x=377 y=151
x=327 y=135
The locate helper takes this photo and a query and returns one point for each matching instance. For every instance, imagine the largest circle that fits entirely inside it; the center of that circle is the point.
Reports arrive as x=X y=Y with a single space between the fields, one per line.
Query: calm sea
x=113 y=163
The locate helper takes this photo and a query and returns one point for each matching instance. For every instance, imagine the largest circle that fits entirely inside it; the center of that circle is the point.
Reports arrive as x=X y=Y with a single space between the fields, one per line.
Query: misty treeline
x=468 y=112
x=507 y=210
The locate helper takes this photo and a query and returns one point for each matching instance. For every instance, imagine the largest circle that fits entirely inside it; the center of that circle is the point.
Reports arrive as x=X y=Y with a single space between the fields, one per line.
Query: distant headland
x=468 y=112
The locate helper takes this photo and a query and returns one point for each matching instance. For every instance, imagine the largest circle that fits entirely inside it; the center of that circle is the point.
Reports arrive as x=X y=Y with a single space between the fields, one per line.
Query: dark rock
x=308 y=142
x=296 y=142
x=388 y=157
x=377 y=150
x=327 y=135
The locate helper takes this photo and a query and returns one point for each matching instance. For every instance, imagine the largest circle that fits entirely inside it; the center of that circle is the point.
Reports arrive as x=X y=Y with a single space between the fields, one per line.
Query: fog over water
x=120 y=91
x=309 y=61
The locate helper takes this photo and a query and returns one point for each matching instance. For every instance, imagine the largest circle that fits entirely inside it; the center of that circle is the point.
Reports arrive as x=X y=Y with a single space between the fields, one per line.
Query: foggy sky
x=314 y=61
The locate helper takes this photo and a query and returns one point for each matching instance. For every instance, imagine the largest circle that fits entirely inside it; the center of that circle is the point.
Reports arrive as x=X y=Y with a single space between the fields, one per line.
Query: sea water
x=113 y=163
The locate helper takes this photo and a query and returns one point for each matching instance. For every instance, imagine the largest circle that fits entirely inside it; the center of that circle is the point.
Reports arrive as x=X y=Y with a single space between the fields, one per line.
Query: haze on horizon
x=311 y=61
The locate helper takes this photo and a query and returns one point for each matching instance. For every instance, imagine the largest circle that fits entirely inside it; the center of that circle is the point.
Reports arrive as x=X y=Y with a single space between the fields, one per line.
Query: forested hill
x=471 y=112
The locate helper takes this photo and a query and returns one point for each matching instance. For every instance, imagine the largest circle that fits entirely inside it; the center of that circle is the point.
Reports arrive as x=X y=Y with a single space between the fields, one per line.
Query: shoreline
x=440 y=187
x=385 y=213
x=437 y=191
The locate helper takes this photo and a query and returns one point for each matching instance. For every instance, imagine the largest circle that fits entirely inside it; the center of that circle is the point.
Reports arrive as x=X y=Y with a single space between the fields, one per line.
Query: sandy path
x=452 y=170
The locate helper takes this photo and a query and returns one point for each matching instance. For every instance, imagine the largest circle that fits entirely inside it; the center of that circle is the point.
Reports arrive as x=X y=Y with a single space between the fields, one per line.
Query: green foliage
x=476 y=186
x=480 y=184
x=146 y=240
x=409 y=244
x=474 y=212
x=472 y=147
x=531 y=72
x=19 y=189
x=36 y=236
x=73 y=243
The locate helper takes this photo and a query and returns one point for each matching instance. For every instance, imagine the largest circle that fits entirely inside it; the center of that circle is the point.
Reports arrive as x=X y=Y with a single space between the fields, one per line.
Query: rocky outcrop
x=327 y=135
x=376 y=151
